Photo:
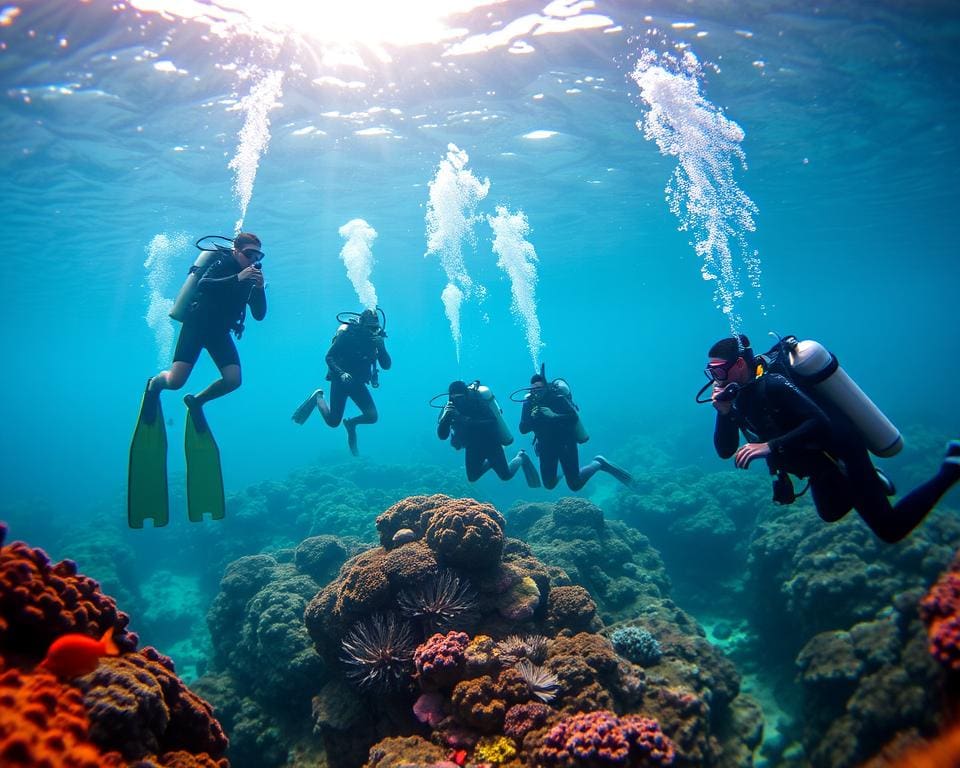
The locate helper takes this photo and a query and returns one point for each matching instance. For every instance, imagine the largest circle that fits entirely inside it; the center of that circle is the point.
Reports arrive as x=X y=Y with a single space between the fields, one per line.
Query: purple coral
x=601 y=738
x=378 y=652
x=440 y=659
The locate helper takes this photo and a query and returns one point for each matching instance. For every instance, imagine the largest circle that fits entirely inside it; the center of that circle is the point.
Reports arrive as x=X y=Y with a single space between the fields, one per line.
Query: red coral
x=40 y=601
x=440 y=659
x=44 y=722
x=940 y=611
x=597 y=739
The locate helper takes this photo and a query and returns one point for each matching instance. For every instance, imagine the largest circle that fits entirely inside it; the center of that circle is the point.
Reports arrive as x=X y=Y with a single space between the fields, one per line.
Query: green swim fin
x=147 y=497
x=204 y=475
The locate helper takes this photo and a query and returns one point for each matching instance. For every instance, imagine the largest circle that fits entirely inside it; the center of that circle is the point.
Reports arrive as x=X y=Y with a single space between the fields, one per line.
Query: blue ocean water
x=826 y=135
x=120 y=124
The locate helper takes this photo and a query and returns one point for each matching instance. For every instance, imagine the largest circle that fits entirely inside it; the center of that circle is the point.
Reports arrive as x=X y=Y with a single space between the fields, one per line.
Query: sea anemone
x=542 y=684
x=379 y=653
x=438 y=602
x=514 y=648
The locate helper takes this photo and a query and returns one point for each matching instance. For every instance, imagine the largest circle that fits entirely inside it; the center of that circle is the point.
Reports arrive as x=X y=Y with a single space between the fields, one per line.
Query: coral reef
x=638 y=645
x=131 y=706
x=613 y=561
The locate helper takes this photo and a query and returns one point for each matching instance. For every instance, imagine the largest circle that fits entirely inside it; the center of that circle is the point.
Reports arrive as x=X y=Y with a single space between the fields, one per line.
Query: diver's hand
x=346 y=378
x=722 y=406
x=546 y=412
x=448 y=413
x=249 y=273
x=747 y=453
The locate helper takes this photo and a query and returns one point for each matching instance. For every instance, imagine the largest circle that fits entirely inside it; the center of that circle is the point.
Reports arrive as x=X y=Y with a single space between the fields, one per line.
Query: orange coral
x=44 y=722
x=40 y=601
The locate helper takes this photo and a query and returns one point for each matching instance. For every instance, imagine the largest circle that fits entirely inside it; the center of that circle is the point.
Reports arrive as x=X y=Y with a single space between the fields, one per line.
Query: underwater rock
x=403 y=536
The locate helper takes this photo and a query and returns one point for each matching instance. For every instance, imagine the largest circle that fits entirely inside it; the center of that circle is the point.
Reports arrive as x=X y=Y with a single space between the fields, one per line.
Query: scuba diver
x=357 y=348
x=222 y=283
x=824 y=436
x=549 y=412
x=472 y=420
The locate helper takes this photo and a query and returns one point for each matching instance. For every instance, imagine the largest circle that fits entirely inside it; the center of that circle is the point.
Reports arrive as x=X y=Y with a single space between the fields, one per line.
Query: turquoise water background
x=849 y=113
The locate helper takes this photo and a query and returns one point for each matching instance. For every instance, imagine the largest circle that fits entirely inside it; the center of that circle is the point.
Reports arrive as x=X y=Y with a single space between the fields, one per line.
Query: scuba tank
x=486 y=397
x=820 y=373
x=561 y=387
x=188 y=291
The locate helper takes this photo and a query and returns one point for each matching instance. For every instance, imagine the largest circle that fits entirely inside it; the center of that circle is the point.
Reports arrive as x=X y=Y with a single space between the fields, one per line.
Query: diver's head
x=731 y=359
x=538 y=384
x=457 y=390
x=246 y=249
x=369 y=319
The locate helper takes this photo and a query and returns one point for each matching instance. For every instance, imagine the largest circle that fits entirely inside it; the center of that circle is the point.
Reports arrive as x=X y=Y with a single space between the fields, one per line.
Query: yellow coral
x=495 y=750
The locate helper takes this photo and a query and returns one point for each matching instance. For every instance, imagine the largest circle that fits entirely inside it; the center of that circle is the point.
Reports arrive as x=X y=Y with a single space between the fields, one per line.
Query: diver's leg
x=576 y=475
x=368 y=414
x=475 y=462
x=225 y=356
x=497 y=461
x=549 y=459
x=829 y=487
x=185 y=356
x=333 y=412
x=893 y=523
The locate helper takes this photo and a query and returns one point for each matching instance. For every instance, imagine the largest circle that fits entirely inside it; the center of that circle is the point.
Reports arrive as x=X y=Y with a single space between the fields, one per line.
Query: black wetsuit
x=808 y=441
x=354 y=350
x=218 y=308
x=474 y=429
x=556 y=439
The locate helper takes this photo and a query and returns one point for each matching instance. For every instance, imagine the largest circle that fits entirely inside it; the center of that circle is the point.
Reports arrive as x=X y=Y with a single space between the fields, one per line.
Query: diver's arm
x=814 y=428
x=561 y=412
x=331 y=359
x=726 y=436
x=446 y=420
x=258 y=302
x=383 y=357
x=526 y=420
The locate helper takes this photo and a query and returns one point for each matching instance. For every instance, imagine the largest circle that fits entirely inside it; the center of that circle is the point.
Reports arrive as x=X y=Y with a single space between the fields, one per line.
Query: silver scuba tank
x=490 y=403
x=188 y=291
x=813 y=362
x=564 y=389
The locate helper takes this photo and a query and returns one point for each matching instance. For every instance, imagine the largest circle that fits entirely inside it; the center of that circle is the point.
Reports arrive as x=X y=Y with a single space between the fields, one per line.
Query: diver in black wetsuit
x=470 y=423
x=229 y=285
x=552 y=418
x=795 y=435
x=357 y=348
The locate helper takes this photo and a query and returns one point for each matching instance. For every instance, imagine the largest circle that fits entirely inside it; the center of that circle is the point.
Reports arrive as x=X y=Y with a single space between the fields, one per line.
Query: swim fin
x=612 y=469
x=147 y=497
x=530 y=473
x=204 y=474
x=307 y=407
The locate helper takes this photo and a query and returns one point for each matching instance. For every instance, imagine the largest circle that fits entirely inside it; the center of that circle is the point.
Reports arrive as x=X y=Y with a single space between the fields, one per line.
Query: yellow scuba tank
x=490 y=403
x=823 y=375
x=188 y=291
x=564 y=390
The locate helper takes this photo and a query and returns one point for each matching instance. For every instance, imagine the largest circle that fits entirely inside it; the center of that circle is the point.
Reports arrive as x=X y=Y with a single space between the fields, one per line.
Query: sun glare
x=370 y=23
